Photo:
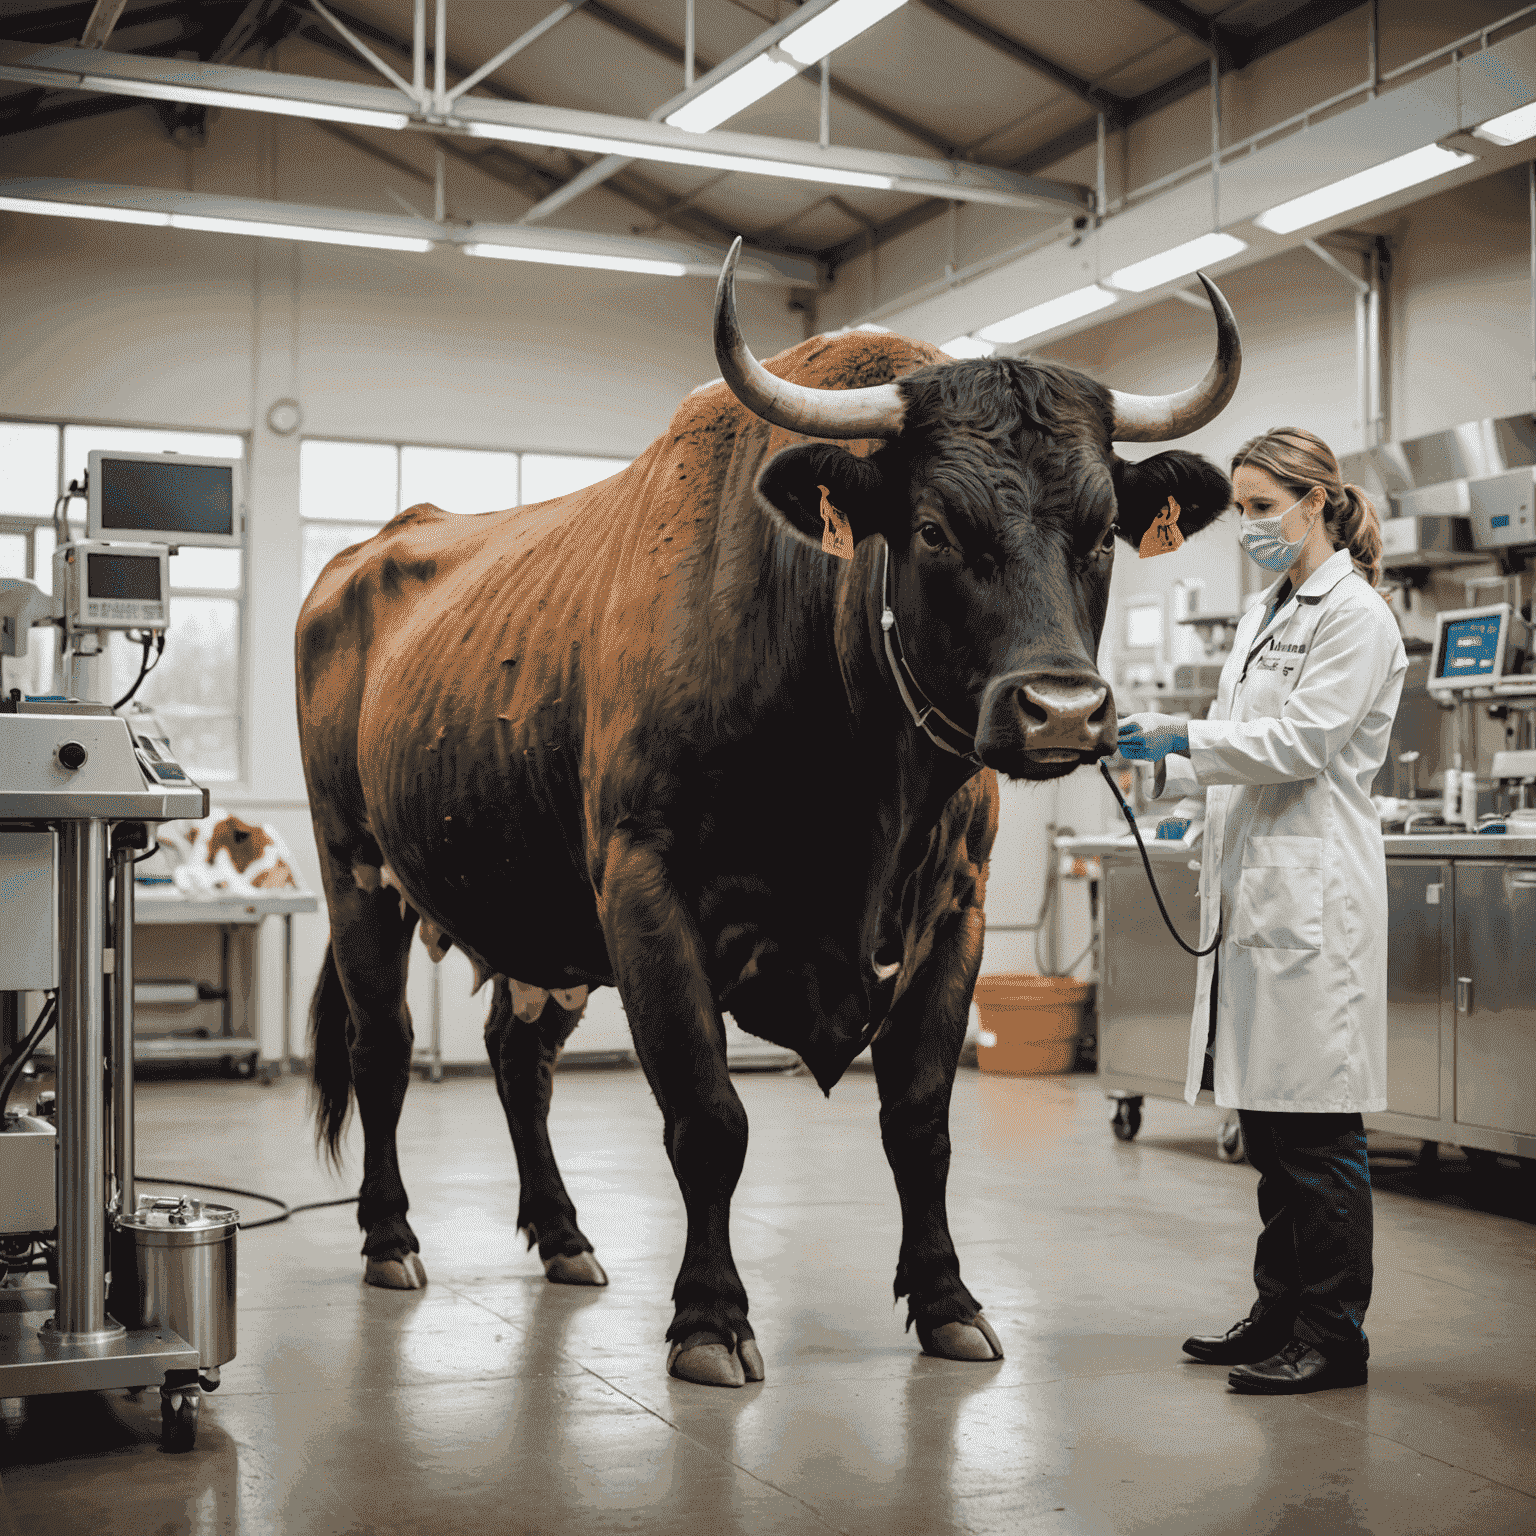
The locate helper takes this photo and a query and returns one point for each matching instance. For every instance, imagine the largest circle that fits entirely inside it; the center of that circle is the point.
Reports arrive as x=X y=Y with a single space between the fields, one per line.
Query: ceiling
x=1002 y=83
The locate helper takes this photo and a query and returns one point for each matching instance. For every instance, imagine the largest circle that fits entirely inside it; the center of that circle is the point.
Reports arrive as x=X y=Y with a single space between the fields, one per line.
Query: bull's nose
x=1065 y=714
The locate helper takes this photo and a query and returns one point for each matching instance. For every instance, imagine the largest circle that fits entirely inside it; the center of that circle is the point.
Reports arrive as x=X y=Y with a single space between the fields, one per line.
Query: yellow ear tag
x=1163 y=537
x=836 y=535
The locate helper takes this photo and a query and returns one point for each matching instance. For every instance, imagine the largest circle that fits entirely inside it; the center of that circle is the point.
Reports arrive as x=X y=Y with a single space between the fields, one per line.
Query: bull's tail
x=329 y=1017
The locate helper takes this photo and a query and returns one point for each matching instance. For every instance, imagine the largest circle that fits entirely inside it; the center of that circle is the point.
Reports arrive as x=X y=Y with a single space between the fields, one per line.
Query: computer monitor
x=1471 y=648
x=165 y=498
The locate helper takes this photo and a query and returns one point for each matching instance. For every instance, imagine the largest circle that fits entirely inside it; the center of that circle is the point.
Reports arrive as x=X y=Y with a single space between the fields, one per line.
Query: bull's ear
x=792 y=483
x=1201 y=490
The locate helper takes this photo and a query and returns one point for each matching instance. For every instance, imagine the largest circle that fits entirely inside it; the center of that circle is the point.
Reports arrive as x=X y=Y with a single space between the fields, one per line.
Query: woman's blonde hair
x=1300 y=461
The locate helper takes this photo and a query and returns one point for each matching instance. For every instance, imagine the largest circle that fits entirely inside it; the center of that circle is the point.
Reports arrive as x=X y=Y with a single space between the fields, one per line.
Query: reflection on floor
x=493 y=1401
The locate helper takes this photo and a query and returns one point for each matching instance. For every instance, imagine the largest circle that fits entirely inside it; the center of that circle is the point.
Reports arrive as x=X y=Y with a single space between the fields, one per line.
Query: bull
x=653 y=735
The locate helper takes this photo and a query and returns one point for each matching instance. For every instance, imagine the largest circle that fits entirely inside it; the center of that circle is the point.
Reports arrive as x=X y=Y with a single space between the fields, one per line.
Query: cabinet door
x=1418 y=906
x=1149 y=982
x=1496 y=995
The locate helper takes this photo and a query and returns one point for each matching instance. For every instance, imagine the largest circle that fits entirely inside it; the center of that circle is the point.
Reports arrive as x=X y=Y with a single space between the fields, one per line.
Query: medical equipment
x=74 y=774
x=113 y=586
x=164 y=498
x=1480 y=652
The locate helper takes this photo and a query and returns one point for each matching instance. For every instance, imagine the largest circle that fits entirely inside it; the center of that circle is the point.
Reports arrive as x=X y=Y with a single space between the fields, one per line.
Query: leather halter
x=926 y=715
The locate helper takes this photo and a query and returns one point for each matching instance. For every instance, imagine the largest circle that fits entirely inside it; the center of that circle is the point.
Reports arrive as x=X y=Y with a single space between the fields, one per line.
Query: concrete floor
x=493 y=1401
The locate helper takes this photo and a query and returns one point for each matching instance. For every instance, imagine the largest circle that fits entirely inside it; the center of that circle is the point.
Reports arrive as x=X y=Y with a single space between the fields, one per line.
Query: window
x=348 y=490
x=196 y=687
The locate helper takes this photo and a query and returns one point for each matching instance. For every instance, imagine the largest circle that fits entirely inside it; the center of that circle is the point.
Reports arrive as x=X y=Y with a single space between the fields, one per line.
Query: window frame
x=399 y=445
x=239 y=595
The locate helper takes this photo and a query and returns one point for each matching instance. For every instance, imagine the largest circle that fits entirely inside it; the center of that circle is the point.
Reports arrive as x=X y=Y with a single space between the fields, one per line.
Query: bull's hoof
x=574 y=1269
x=974 y=1340
x=404 y=1273
x=703 y=1358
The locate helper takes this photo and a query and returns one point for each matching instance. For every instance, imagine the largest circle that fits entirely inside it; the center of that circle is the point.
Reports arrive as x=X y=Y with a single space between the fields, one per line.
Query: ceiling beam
x=98 y=26
x=665 y=48
x=1196 y=26
x=1264 y=41
x=1100 y=100
x=530 y=123
x=532 y=179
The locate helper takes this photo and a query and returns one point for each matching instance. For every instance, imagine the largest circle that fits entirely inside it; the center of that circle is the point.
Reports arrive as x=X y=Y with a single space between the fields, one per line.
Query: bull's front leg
x=915 y=1060
x=680 y=1039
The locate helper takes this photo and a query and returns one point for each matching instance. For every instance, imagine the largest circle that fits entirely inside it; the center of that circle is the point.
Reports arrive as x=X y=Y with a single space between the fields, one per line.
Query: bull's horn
x=1158 y=418
x=873 y=412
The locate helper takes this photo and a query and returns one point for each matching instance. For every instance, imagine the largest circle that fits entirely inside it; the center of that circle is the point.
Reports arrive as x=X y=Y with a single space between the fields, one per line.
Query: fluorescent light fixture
x=1363 y=187
x=61 y=209
x=968 y=346
x=1047 y=316
x=245 y=101
x=1512 y=128
x=65 y=210
x=1177 y=262
x=835 y=26
x=310 y=232
x=770 y=69
x=734 y=94
x=576 y=259
x=635 y=149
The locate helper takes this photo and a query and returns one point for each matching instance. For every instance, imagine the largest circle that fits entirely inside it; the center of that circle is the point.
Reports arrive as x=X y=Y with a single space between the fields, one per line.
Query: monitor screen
x=133 y=578
x=1470 y=647
x=163 y=497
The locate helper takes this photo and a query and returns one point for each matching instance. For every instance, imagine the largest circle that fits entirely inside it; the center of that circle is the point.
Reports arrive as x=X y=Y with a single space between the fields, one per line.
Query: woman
x=1290 y=1020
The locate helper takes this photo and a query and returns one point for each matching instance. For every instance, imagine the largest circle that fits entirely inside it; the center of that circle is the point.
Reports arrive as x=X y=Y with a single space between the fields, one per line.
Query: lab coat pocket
x=1280 y=894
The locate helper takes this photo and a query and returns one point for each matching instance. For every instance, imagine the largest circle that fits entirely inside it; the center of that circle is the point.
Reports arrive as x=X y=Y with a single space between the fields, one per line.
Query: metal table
x=76 y=774
x=237 y=918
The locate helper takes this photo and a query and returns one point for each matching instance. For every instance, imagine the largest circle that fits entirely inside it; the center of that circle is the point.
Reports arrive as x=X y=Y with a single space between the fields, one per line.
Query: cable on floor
x=284 y=1212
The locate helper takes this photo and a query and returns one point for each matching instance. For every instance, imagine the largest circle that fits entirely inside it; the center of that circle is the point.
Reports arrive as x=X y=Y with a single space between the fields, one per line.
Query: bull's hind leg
x=370 y=943
x=915 y=1061
x=523 y=1056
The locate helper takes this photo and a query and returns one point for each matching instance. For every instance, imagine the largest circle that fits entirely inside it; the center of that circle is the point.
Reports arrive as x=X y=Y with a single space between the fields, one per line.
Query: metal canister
x=180 y=1257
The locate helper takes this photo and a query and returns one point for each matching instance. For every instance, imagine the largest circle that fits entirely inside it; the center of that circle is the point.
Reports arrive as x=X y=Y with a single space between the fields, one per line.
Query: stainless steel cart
x=71 y=775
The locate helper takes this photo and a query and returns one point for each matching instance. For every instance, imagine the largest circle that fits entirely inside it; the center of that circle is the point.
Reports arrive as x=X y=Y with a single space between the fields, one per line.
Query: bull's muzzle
x=1046 y=719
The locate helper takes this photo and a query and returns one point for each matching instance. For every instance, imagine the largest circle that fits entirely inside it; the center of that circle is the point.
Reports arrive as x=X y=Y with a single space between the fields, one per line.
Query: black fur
x=1202 y=491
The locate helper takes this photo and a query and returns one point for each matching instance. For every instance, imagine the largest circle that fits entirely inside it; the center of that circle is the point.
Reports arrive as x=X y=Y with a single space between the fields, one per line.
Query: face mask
x=1261 y=538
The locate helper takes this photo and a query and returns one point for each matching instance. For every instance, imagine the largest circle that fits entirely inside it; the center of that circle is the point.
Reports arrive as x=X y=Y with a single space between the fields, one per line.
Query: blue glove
x=1172 y=828
x=1150 y=738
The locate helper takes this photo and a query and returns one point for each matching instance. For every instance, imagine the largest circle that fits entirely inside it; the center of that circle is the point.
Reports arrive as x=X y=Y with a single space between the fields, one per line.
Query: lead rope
x=1130 y=816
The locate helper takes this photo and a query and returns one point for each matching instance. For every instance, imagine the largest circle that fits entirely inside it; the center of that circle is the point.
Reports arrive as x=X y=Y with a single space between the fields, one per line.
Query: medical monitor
x=165 y=498
x=114 y=586
x=1471 y=647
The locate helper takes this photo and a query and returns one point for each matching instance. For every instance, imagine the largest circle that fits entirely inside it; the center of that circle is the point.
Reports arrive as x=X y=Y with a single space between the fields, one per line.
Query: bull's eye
x=1107 y=544
x=932 y=535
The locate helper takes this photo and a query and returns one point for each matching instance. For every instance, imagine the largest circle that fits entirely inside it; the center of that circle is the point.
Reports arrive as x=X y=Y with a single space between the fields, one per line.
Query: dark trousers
x=1313 y=1263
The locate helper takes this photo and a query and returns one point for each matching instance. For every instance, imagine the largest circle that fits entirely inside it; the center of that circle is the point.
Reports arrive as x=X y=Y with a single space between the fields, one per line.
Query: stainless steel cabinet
x=1147 y=989
x=1495 y=996
x=1419 y=905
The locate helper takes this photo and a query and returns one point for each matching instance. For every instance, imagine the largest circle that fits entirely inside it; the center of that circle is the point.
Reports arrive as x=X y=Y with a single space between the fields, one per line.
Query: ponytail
x=1357 y=528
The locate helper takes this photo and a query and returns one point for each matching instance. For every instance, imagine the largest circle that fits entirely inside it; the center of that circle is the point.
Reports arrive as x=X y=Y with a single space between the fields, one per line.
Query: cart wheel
x=1229 y=1141
x=1127 y=1119
x=178 y=1418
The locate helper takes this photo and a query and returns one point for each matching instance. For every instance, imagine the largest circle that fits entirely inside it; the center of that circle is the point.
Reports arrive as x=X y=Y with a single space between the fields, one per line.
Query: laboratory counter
x=1461 y=982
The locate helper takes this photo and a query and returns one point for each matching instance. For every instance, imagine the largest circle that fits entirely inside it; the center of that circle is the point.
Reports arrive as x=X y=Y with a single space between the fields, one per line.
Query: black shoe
x=1242 y=1343
x=1298 y=1368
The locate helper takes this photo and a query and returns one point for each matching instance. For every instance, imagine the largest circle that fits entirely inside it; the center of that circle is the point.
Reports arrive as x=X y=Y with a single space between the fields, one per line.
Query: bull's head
x=1000 y=496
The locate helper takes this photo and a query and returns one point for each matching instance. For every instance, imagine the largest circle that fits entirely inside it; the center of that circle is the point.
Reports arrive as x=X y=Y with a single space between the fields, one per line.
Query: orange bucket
x=1029 y=1024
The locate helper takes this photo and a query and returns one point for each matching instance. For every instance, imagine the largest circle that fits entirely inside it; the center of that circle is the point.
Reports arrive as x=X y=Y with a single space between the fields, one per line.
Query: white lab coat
x=1292 y=863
